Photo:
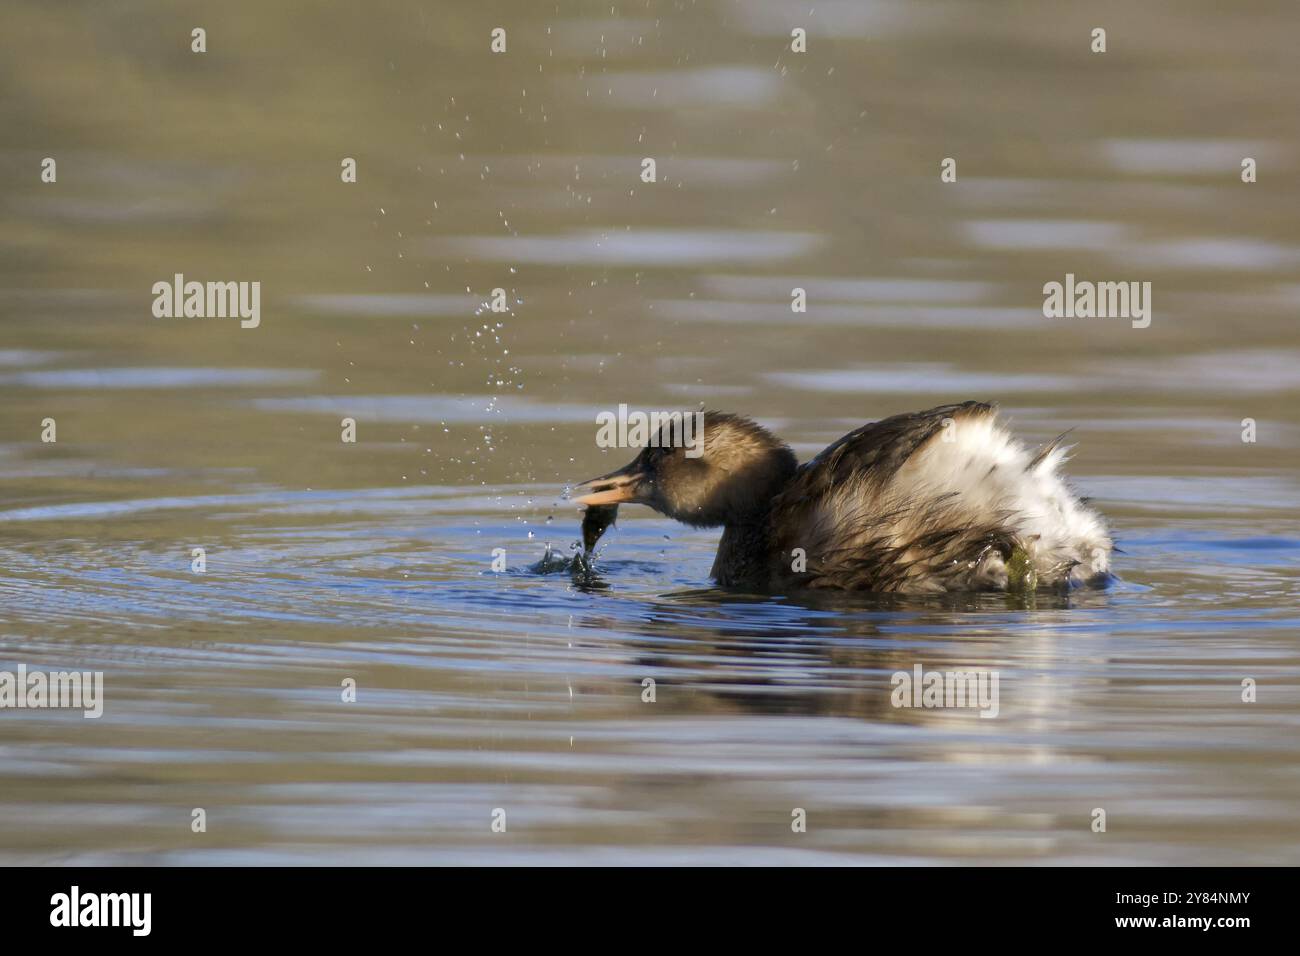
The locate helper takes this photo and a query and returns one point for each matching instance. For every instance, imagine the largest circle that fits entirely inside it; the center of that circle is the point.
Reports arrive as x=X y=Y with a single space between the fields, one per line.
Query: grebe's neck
x=743 y=551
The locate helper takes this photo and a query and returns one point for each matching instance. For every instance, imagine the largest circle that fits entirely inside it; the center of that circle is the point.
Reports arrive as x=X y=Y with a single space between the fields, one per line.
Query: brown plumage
x=939 y=500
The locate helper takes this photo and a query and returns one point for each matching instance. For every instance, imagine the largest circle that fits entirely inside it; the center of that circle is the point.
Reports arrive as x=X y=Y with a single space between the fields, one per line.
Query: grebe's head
x=726 y=476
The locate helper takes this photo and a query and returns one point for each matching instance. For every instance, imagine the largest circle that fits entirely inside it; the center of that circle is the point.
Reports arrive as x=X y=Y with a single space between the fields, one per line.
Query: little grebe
x=940 y=500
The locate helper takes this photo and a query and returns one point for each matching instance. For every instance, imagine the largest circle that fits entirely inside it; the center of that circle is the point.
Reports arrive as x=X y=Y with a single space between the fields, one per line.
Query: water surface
x=523 y=690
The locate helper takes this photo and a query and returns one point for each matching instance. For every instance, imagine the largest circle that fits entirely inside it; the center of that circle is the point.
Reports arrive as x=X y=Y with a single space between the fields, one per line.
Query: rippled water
x=523 y=690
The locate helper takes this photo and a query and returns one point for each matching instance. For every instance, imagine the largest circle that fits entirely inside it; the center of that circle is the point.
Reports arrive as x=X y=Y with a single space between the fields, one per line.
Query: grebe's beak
x=618 y=487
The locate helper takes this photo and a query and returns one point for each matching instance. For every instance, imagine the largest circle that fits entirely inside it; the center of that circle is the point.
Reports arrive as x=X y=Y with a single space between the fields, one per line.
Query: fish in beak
x=602 y=497
x=594 y=522
x=618 y=487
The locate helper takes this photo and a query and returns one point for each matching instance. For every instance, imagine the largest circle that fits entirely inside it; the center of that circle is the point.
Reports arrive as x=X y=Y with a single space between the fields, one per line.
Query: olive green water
x=521 y=691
